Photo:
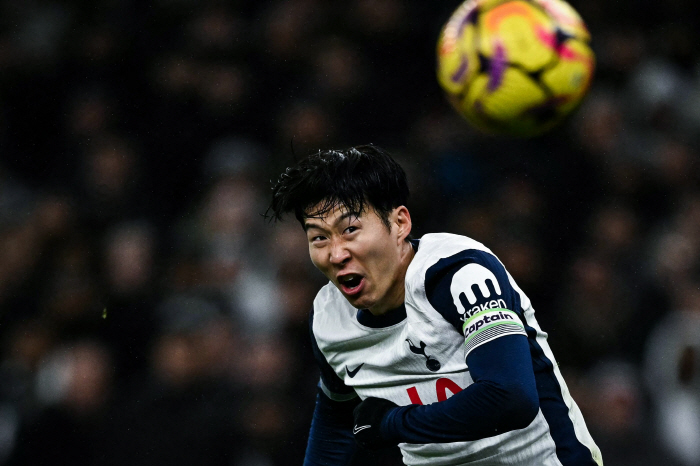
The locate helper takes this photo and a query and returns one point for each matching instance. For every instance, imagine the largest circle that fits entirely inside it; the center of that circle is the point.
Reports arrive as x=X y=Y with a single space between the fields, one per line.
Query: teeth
x=348 y=278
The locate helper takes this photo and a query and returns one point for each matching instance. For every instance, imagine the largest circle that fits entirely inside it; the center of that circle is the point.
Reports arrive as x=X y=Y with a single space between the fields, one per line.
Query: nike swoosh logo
x=359 y=429
x=352 y=373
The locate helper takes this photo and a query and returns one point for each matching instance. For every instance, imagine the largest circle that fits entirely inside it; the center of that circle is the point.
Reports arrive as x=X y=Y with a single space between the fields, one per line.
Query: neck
x=396 y=295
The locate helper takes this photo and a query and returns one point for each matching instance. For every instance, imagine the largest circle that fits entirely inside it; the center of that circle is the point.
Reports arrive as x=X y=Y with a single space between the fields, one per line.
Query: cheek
x=384 y=261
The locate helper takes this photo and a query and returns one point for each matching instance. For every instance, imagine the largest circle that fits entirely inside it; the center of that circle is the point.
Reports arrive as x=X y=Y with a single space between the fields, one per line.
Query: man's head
x=356 y=178
x=351 y=204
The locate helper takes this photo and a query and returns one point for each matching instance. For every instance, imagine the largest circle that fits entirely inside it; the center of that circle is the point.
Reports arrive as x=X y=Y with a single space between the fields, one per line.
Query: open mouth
x=350 y=283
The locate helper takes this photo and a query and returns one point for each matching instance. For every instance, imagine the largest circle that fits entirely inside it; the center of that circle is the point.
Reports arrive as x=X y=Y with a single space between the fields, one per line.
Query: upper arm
x=472 y=291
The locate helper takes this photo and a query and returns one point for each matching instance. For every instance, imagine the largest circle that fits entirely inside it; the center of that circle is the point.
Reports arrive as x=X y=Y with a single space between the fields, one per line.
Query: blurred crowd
x=150 y=315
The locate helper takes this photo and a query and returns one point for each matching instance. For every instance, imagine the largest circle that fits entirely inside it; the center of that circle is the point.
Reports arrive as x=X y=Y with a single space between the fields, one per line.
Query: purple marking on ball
x=461 y=71
x=497 y=68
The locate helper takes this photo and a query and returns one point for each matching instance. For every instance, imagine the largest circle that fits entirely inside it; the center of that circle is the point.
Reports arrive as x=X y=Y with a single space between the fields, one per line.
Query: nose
x=339 y=254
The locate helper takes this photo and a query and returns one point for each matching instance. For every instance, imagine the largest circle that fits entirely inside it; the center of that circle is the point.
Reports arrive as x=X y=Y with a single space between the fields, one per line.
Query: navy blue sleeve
x=502 y=398
x=330 y=439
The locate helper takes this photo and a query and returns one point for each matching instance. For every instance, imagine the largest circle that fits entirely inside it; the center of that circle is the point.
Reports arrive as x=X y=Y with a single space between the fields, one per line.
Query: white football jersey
x=458 y=297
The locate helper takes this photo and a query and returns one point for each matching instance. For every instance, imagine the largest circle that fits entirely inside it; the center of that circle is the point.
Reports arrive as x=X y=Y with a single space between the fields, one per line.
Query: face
x=361 y=256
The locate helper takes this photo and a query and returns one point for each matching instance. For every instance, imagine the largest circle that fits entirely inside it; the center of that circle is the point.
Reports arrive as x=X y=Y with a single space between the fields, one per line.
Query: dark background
x=150 y=315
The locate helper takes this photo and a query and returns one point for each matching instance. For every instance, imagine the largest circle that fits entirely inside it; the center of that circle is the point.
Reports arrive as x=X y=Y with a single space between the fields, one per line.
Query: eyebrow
x=337 y=221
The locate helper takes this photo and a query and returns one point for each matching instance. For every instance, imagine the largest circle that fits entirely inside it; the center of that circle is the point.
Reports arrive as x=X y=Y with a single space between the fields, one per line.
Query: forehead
x=332 y=216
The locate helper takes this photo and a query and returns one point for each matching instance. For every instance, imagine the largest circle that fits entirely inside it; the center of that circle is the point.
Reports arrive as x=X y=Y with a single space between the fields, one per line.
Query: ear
x=402 y=218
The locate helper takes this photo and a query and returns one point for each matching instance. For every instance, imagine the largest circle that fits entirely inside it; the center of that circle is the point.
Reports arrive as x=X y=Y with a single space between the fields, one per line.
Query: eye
x=350 y=229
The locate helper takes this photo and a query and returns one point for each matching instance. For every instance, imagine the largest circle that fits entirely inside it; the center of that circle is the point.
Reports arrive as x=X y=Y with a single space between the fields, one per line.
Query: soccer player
x=428 y=344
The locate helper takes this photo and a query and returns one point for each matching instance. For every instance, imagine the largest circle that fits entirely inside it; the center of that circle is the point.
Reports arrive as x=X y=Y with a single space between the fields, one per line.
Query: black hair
x=355 y=178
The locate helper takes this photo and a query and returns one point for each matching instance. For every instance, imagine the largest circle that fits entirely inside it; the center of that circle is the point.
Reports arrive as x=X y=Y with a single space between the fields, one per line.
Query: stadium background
x=148 y=313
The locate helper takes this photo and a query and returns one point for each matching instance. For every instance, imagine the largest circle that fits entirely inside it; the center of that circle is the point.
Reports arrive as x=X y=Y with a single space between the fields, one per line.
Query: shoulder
x=327 y=296
x=436 y=245
x=327 y=302
x=331 y=384
x=441 y=249
x=333 y=316
x=460 y=277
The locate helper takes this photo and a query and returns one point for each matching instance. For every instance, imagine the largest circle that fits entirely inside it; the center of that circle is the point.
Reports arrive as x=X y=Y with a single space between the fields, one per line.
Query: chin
x=360 y=303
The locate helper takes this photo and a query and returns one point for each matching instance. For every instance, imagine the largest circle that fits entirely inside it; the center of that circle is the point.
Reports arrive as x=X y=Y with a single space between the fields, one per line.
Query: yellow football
x=515 y=67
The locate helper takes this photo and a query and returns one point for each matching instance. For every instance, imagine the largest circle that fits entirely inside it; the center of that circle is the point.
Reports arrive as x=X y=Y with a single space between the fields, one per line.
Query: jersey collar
x=387 y=319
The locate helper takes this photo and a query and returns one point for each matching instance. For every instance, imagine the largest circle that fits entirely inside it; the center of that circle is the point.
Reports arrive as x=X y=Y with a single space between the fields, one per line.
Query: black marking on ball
x=484 y=63
x=561 y=37
x=473 y=16
x=535 y=75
